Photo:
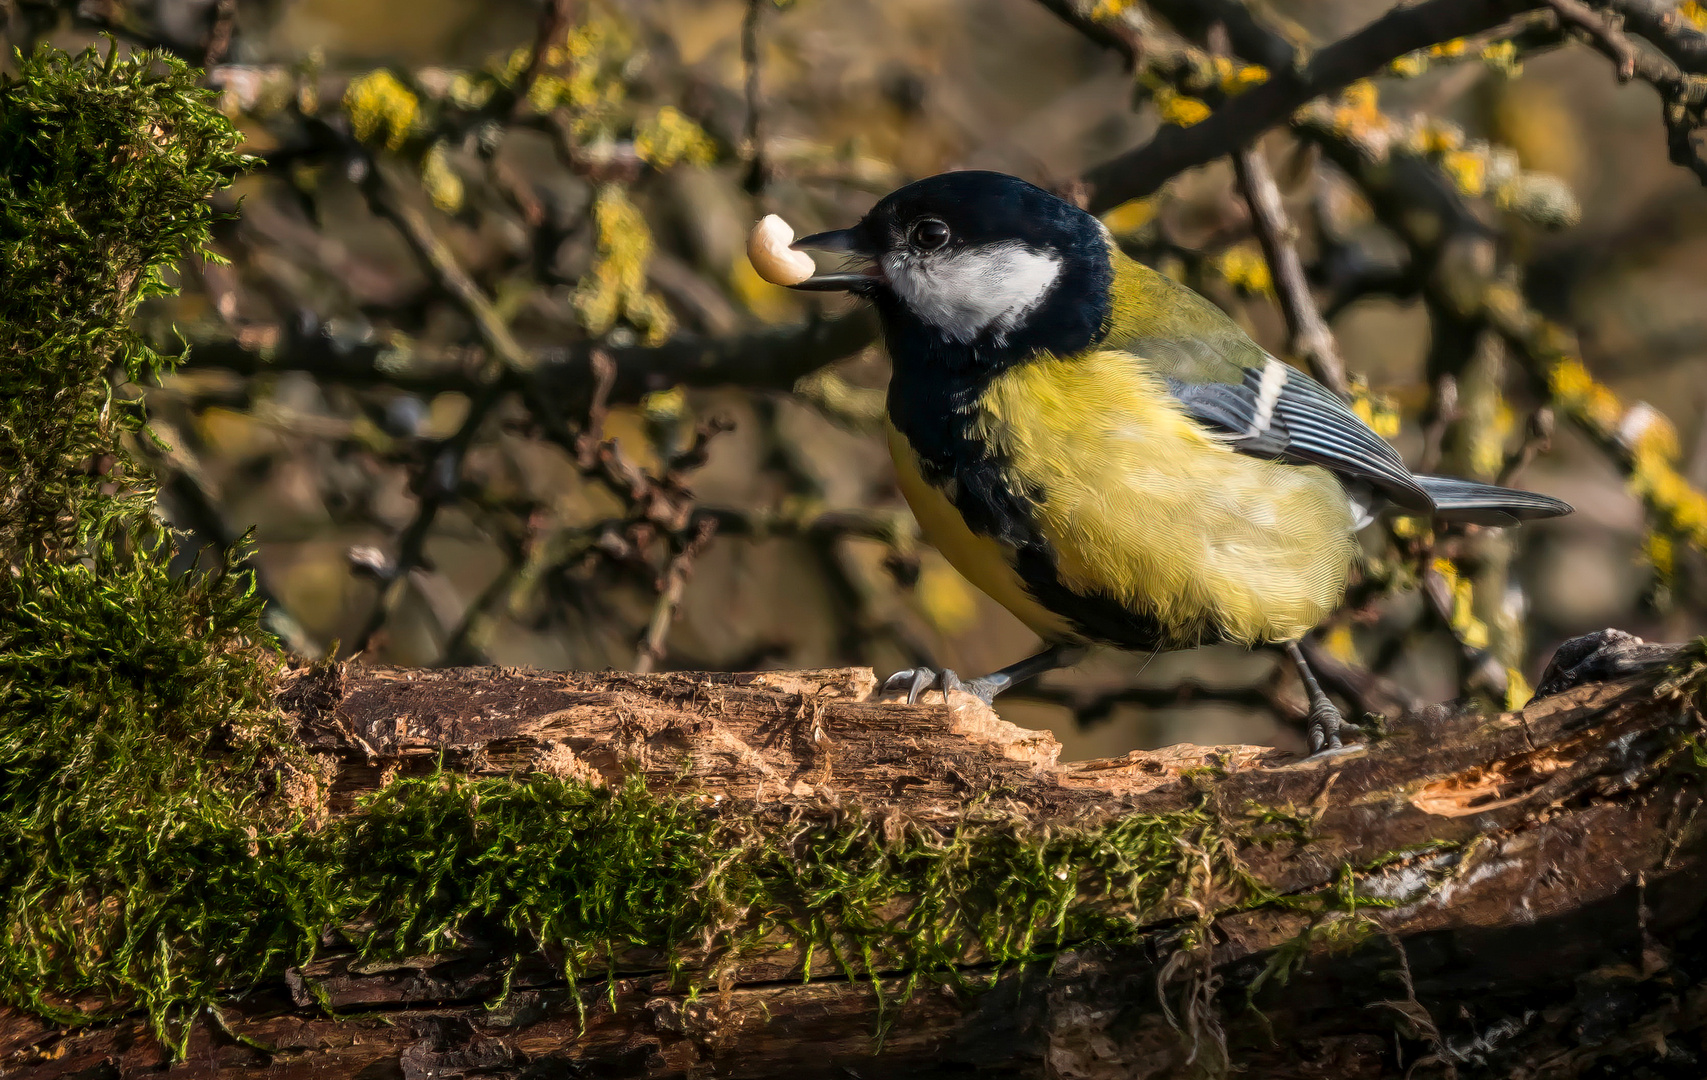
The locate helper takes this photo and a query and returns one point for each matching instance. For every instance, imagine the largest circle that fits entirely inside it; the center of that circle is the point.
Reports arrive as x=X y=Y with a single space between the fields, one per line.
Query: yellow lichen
x=1648 y=438
x=771 y=303
x=1517 y=689
x=1502 y=57
x=1579 y=394
x=1468 y=628
x=669 y=137
x=615 y=287
x=1659 y=552
x=1358 y=110
x=1179 y=109
x=584 y=73
x=1130 y=216
x=468 y=91
x=1488 y=429
x=1376 y=410
x=1235 y=77
x=442 y=183
x=1410 y=65
x=1469 y=172
x=1694 y=12
x=1340 y=644
x=1433 y=136
x=1244 y=268
x=380 y=106
x=1407 y=527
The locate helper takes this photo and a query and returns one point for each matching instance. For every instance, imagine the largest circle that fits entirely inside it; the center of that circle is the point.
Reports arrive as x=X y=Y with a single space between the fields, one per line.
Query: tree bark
x=1542 y=873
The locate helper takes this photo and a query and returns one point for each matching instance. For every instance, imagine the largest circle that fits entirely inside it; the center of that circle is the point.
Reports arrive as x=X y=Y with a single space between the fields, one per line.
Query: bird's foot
x=917 y=680
x=1326 y=724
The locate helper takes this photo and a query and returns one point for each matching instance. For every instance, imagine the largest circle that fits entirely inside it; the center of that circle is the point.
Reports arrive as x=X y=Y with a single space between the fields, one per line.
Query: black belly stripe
x=932 y=404
x=1103 y=618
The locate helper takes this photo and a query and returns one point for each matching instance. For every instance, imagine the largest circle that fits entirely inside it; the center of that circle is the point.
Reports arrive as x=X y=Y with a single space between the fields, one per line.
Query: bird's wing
x=1272 y=410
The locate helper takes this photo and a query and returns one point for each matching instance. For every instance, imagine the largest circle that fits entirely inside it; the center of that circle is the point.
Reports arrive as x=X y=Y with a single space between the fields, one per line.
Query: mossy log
x=1510 y=895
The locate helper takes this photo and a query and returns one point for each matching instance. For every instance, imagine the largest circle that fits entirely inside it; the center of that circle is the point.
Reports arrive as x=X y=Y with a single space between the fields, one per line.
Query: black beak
x=840 y=242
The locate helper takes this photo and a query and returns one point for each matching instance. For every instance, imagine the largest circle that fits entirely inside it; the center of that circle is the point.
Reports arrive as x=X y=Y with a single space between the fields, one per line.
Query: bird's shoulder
x=1227 y=382
x=1174 y=331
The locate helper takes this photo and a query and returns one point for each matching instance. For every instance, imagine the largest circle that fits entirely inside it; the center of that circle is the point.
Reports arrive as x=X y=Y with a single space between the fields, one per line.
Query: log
x=1513 y=895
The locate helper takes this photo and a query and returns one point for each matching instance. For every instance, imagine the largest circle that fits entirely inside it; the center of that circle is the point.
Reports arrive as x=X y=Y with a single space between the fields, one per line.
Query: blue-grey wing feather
x=1278 y=413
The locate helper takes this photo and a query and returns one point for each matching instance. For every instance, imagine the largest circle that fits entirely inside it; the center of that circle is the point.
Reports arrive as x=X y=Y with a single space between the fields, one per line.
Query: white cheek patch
x=966 y=292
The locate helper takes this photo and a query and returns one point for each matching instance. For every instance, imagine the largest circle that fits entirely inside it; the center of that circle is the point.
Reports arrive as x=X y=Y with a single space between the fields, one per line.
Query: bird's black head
x=973 y=269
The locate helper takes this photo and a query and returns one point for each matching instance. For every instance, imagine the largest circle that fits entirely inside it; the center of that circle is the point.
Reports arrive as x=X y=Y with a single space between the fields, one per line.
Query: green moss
x=106 y=166
x=134 y=721
x=185 y=888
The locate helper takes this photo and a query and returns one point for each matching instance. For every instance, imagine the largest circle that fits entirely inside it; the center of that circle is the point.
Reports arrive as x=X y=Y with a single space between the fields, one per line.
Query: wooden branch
x=768 y=358
x=1523 y=887
x=1307 y=333
x=1236 y=124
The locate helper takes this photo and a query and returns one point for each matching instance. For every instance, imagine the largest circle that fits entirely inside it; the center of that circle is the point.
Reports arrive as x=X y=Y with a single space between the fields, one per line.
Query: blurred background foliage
x=490 y=376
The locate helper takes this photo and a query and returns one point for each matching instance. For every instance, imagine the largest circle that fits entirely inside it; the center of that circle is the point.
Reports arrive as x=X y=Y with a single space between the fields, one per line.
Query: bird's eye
x=929 y=234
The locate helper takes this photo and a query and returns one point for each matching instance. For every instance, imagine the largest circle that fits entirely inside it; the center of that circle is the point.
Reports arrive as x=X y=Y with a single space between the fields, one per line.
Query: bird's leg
x=1325 y=720
x=985 y=688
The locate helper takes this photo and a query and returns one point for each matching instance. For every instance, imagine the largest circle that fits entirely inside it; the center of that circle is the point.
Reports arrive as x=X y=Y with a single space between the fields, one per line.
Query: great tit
x=1104 y=451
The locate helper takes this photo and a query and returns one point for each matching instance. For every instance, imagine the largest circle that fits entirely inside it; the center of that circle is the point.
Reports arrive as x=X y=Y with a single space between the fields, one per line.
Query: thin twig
x=1537 y=440
x=671 y=586
x=438 y=482
x=218 y=41
x=441 y=263
x=1606 y=35
x=758 y=166
x=554 y=20
x=1308 y=334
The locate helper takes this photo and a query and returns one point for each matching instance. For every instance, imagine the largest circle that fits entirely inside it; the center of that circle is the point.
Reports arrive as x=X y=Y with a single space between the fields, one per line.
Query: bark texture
x=1544 y=871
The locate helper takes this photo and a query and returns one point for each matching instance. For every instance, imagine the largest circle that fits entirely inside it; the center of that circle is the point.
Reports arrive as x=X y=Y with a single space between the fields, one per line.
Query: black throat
x=937 y=381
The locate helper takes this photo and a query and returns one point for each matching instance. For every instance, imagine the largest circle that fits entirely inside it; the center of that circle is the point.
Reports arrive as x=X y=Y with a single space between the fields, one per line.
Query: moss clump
x=134 y=722
x=174 y=897
x=106 y=167
x=134 y=703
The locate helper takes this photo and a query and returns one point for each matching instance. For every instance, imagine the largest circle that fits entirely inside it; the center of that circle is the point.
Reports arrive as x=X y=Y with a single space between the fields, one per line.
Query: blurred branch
x=436 y=484
x=893 y=527
x=1237 y=123
x=1663 y=25
x=554 y=19
x=441 y=264
x=1307 y=332
x=1682 y=96
x=770 y=358
x=1123 y=33
x=187 y=490
x=219 y=32
x=758 y=166
x=672 y=583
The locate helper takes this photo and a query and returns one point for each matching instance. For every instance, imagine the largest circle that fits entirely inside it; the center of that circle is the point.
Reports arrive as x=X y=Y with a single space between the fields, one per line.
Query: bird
x=1104 y=451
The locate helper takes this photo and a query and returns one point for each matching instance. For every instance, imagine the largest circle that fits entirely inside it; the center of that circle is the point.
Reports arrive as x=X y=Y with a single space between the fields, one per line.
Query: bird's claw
x=1326 y=723
x=917 y=680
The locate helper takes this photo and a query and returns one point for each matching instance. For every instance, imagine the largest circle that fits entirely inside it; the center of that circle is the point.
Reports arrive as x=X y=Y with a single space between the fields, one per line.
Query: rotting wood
x=1546 y=869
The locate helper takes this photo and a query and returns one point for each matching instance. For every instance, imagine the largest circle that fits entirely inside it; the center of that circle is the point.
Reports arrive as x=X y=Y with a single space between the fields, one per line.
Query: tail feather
x=1485 y=504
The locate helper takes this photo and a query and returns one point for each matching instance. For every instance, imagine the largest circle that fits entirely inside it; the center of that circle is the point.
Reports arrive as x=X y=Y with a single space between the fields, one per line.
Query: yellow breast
x=1142 y=505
